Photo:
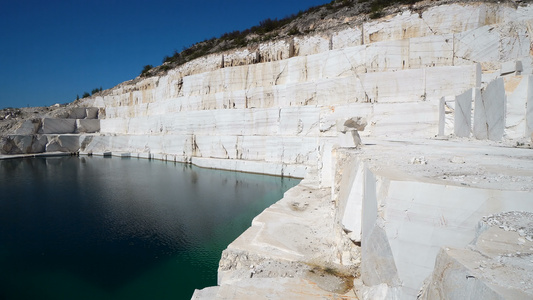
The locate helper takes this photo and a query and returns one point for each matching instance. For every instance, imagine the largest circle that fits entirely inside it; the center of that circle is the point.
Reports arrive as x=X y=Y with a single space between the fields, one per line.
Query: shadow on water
x=120 y=229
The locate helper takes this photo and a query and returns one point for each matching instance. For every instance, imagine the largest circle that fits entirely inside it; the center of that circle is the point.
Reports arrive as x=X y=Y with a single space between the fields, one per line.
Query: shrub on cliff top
x=266 y=30
x=145 y=70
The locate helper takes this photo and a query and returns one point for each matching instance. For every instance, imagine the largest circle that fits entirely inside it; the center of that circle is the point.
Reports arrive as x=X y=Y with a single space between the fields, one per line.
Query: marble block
x=88 y=125
x=455 y=81
x=349 y=139
x=511 y=67
x=463 y=114
x=63 y=143
x=489 y=112
x=517 y=88
x=29 y=127
x=515 y=41
x=77 y=113
x=402 y=26
x=453 y=18
x=58 y=126
x=387 y=55
x=481 y=45
x=347 y=38
x=91 y=113
x=311 y=44
x=350 y=197
x=431 y=51
x=22 y=144
x=442 y=115
x=529 y=108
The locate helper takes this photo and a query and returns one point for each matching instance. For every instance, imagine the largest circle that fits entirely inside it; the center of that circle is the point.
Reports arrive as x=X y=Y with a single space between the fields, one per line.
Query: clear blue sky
x=52 y=50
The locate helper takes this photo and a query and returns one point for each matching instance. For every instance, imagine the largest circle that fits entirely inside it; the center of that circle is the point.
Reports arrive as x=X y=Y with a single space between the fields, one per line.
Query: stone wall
x=381 y=70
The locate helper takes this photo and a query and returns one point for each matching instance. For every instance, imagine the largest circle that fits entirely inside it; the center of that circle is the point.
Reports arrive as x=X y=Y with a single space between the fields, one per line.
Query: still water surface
x=109 y=228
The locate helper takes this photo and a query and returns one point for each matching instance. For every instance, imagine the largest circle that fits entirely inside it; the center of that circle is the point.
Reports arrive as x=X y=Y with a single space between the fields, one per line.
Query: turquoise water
x=110 y=228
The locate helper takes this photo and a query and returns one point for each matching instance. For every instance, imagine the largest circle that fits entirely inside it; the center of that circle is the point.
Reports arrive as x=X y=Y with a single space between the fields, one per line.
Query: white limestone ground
x=447 y=96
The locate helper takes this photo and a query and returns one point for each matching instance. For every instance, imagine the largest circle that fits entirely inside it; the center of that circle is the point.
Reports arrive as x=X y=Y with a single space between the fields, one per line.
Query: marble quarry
x=408 y=130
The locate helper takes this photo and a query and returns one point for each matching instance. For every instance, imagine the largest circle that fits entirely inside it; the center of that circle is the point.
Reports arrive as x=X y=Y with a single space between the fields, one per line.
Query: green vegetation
x=377 y=6
x=86 y=94
x=96 y=90
x=266 y=30
x=294 y=31
x=146 y=70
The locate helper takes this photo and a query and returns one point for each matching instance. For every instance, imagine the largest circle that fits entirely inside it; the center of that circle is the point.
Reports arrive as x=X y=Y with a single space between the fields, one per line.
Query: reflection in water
x=81 y=228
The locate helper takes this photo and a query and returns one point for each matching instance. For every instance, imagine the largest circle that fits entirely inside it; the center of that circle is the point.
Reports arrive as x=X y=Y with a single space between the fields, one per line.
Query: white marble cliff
x=408 y=130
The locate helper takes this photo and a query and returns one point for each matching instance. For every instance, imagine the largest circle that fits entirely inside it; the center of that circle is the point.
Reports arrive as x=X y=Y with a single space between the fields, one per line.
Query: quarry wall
x=461 y=72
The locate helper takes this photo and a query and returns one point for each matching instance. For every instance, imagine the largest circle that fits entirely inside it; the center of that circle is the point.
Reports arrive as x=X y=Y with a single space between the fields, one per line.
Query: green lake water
x=111 y=228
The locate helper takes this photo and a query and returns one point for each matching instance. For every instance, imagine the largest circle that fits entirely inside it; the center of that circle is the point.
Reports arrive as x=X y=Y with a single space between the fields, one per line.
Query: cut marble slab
x=51 y=126
x=463 y=114
x=77 y=113
x=514 y=66
x=87 y=125
x=91 y=112
x=517 y=91
x=63 y=143
x=489 y=112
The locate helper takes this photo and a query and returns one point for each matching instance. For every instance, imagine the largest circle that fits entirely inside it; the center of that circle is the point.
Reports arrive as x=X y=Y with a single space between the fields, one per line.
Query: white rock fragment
x=348 y=132
x=418 y=161
x=511 y=67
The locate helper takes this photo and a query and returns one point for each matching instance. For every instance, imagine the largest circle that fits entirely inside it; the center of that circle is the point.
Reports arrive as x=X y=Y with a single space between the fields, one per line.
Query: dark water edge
x=109 y=228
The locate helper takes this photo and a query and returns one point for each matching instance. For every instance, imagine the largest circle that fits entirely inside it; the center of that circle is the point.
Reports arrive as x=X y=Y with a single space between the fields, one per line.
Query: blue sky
x=50 y=50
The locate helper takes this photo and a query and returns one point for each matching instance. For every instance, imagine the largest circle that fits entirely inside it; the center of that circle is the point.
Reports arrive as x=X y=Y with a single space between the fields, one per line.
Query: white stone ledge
x=404 y=214
x=258 y=167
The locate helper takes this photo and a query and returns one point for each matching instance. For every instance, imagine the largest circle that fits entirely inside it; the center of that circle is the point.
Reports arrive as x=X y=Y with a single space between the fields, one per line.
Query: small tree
x=85 y=95
x=145 y=70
